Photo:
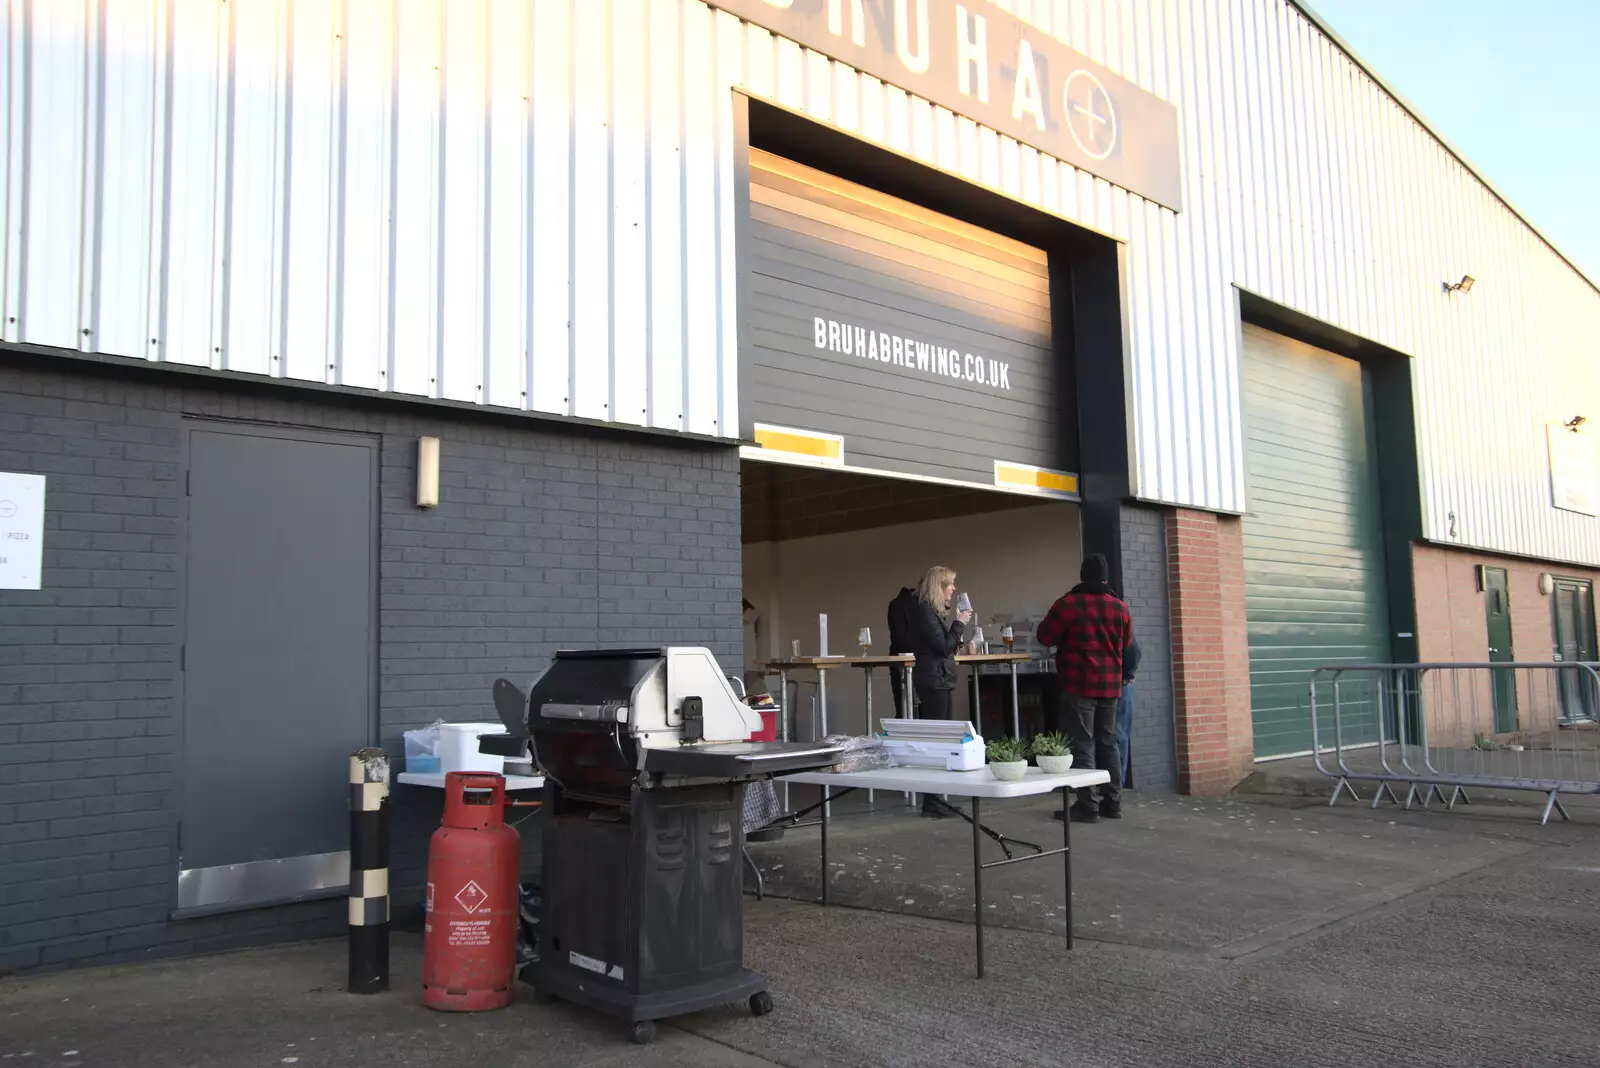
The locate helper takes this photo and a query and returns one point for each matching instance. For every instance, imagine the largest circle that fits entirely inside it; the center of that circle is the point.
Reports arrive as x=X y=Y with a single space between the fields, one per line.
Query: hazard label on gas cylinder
x=469 y=933
x=471 y=896
x=427 y=905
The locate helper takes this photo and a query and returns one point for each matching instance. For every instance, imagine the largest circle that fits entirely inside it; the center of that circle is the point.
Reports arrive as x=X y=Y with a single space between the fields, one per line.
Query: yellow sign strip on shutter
x=827 y=448
x=1040 y=480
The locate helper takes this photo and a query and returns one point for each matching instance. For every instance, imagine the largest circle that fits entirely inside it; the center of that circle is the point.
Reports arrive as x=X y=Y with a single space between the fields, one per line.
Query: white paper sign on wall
x=21 y=531
x=1574 y=470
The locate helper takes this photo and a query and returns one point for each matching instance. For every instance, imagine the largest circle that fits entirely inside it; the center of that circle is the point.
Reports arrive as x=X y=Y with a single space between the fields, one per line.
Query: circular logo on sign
x=7 y=509
x=1091 y=114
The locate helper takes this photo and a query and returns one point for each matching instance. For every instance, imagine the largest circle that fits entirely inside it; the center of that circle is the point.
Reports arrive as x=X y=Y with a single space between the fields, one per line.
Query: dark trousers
x=897 y=686
x=1091 y=723
x=932 y=703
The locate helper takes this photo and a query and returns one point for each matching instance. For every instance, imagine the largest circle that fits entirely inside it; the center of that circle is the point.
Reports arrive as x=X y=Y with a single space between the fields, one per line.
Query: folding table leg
x=824 y=846
x=867 y=671
x=785 y=720
x=911 y=713
x=977 y=881
x=1066 y=853
x=1016 y=705
x=761 y=882
x=822 y=711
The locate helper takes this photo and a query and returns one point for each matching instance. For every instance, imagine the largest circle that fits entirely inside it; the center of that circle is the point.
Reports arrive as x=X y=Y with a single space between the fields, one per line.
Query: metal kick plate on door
x=256 y=883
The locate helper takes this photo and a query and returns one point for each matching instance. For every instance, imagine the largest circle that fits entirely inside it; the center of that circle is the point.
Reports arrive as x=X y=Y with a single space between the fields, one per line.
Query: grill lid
x=594 y=677
x=597 y=715
x=661 y=697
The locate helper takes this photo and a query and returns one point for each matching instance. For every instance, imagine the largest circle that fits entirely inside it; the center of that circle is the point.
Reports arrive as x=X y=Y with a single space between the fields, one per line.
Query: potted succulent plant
x=1008 y=758
x=1053 y=752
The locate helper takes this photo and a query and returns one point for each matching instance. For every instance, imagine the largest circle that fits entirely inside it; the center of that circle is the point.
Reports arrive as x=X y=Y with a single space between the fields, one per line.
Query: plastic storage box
x=458 y=748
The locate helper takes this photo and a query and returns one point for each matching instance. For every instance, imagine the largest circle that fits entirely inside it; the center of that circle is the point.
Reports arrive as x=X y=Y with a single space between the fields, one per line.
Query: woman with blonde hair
x=934 y=642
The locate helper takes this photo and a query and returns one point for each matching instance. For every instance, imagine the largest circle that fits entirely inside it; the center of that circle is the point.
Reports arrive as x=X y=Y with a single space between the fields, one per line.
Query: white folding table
x=976 y=785
x=435 y=779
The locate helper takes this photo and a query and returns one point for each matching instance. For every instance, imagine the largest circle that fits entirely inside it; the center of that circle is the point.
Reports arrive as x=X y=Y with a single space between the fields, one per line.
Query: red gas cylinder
x=469 y=944
x=768 y=731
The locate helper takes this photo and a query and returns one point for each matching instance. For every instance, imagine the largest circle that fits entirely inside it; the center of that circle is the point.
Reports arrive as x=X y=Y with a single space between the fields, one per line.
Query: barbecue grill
x=645 y=759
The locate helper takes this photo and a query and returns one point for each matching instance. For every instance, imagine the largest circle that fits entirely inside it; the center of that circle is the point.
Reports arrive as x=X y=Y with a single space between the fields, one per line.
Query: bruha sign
x=986 y=65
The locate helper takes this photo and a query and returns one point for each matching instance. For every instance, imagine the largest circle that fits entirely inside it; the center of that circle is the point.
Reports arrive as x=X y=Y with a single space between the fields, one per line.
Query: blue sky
x=1514 y=86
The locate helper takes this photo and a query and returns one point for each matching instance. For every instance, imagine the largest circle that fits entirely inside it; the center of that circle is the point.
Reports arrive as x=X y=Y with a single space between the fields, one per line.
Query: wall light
x=1463 y=286
x=427 y=472
x=1574 y=423
x=1547 y=584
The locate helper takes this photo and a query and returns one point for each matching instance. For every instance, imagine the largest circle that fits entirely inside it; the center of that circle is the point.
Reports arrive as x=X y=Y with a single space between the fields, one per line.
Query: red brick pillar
x=1210 y=651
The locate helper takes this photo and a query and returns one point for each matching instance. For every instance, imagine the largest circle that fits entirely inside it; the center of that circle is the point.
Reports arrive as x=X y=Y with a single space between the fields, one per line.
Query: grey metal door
x=1497 y=609
x=278 y=661
x=1572 y=609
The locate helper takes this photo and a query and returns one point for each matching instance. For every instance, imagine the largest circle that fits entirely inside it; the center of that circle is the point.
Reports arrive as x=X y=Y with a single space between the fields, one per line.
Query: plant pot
x=1010 y=770
x=1055 y=765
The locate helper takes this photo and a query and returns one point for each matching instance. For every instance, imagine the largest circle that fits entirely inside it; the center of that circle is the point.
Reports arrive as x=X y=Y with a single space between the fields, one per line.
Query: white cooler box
x=458 y=748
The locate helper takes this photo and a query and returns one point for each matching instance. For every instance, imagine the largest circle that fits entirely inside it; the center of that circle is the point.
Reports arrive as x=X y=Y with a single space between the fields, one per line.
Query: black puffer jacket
x=934 y=642
x=902 y=610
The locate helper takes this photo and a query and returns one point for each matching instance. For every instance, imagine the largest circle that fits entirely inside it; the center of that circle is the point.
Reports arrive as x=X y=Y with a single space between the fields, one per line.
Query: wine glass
x=1008 y=636
x=865 y=640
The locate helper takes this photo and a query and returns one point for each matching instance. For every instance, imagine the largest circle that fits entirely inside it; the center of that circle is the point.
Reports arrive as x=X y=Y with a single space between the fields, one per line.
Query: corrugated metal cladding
x=525 y=205
x=836 y=270
x=531 y=205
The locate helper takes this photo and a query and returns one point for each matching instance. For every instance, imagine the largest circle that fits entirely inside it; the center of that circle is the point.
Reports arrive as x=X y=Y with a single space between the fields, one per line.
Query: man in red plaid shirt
x=1090 y=628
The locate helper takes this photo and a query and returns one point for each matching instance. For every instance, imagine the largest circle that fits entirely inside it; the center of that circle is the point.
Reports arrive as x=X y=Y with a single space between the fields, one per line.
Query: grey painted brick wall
x=542 y=539
x=1144 y=576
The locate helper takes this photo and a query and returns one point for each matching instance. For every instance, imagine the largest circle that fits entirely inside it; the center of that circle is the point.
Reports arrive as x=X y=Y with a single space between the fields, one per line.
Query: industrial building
x=725 y=314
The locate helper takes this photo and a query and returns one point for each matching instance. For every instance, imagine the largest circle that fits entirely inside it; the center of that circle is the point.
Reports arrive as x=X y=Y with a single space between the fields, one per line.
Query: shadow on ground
x=288 y=1006
x=1211 y=933
x=1175 y=872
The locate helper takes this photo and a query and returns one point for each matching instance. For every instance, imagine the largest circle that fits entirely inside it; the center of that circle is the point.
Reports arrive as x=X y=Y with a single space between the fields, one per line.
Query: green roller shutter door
x=1313 y=540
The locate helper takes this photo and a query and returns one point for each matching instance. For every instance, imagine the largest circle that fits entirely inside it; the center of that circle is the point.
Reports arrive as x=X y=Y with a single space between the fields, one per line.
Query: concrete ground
x=1263 y=931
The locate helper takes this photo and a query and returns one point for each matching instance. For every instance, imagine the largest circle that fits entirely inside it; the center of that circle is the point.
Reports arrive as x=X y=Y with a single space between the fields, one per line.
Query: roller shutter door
x=1313 y=550
x=921 y=341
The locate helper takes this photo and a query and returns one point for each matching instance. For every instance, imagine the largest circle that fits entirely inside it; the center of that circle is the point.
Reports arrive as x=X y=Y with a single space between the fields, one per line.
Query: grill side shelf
x=738 y=760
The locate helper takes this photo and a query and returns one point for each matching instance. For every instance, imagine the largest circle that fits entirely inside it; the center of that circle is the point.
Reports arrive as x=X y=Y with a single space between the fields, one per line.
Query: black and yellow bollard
x=369 y=871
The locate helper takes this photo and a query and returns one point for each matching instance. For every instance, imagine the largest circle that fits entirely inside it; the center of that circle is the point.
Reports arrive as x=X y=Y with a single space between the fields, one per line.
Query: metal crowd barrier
x=1450 y=727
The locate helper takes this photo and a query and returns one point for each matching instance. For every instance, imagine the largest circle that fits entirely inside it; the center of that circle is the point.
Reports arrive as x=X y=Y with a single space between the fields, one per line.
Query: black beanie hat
x=1095 y=569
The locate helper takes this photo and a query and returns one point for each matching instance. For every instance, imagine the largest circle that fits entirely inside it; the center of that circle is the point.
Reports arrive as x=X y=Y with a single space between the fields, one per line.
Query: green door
x=1497 y=605
x=1572 y=628
x=1313 y=539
